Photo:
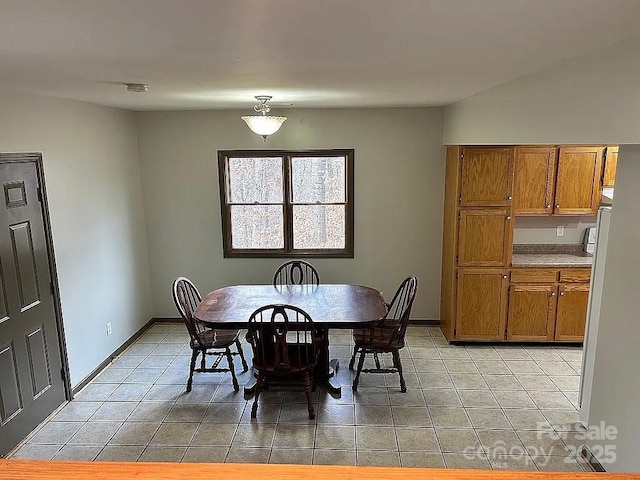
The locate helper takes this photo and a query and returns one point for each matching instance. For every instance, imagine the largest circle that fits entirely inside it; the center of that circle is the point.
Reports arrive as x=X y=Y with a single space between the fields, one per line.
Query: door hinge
x=456 y=274
x=51 y=289
x=39 y=190
x=459 y=201
x=63 y=376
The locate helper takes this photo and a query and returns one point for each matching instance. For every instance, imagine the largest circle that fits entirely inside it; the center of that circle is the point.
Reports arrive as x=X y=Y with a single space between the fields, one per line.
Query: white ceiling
x=198 y=54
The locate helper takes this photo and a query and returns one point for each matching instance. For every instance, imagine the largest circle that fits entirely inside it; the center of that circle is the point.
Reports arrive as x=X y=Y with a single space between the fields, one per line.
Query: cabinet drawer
x=578 y=275
x=534 y=275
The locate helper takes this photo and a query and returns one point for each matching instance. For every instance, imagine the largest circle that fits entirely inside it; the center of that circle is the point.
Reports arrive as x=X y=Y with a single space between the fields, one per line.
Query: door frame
x=36 y=159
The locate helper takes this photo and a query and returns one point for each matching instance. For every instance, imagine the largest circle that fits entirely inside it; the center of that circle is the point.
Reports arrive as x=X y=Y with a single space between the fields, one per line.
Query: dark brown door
x=31 y=384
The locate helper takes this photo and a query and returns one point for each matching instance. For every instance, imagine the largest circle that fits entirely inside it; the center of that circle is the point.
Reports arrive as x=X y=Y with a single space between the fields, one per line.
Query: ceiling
x=219 y=54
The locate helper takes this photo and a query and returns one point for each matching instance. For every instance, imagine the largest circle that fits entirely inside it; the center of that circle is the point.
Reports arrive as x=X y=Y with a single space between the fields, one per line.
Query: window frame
x=288 y=251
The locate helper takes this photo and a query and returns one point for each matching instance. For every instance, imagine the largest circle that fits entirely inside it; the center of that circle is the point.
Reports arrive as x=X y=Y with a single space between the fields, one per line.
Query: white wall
x=543 y=229
x=399 y=184
x=616 y=386
x=92 y=174
x=593 y=99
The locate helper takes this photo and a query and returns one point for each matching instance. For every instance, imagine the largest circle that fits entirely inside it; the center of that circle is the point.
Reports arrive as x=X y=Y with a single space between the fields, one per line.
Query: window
x=286 y=203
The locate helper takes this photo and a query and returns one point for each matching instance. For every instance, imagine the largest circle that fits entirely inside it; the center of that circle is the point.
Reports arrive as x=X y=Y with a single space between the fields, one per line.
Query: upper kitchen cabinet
x=535 y=174
x=610 y=165
x=484 y=237
x=578 y=185
x=486 y=176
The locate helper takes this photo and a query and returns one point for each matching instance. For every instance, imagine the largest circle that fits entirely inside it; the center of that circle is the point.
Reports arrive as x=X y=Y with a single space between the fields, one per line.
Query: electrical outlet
x=108 y=328
x=559 y=231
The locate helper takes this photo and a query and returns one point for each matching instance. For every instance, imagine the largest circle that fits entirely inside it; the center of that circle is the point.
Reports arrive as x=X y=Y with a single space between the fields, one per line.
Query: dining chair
x=205 y=341
x=296 y=272
x=387 y=335
x=285 y=349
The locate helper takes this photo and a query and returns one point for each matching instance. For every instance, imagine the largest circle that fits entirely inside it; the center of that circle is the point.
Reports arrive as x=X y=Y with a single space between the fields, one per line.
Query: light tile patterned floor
x=476 y=406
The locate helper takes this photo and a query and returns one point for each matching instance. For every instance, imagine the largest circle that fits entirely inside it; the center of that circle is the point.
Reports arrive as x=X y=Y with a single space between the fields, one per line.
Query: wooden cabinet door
x=486 y=177
x=535 y=171
x=481 y=304
x=578 y=186
x=484 y=237
x=610 y=165
x=571 y=314
x=531 y=312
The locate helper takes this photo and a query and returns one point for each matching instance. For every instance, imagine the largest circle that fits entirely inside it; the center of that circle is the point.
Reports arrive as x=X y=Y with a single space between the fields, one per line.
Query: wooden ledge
x=53 y=470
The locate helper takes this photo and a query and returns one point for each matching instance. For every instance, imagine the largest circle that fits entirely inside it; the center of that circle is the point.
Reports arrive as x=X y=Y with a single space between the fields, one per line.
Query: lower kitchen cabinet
x=481 y=305
x=571 y=314
x=531 y=313
x=521 y=305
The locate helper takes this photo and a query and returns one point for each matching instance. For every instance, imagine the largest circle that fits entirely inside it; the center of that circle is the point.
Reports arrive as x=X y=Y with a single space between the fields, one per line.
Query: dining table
x=330 y=306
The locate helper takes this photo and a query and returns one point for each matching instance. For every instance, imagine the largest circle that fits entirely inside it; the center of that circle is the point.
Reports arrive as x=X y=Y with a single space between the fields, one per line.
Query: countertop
x=52 y=470
x=560 y=256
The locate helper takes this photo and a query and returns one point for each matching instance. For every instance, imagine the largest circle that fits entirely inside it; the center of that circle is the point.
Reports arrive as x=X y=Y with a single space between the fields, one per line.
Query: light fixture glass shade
x=264 y=125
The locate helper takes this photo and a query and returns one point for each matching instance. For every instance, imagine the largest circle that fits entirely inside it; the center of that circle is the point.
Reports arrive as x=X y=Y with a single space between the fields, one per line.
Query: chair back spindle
x=187 y=298
x=282 y=338
x=400 y=308
x=296 y=272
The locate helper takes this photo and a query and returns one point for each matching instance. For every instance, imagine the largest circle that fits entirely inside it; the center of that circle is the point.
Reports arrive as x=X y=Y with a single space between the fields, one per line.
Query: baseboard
x=591 y=459
x=165 y=320
x=94 y=373
x=428 y=322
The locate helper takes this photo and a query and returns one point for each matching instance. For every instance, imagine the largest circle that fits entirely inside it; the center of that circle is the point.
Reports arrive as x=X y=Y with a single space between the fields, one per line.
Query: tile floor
x=482 y=407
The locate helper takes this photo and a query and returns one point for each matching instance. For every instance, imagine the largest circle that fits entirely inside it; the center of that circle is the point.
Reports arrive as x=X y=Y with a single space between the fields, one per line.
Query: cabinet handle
x=553 y=294
x=504 y=276
x=509 y=197
x=561 y=293
x=547 y=206
x=508 y=217
x=557 y=205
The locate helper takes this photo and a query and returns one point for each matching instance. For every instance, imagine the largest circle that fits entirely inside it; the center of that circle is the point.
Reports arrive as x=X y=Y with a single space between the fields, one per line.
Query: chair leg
x=359 y=371
x=307 y=381
x=353 y=358
x=203 y=362
x=236 y=387
x=256 y=394
x=245 y=367
x=192 y=366
x=398 y=365
x=377 y=360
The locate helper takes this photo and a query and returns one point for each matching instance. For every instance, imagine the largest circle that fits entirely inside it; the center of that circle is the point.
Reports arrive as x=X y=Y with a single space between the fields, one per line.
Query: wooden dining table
x=330 y=306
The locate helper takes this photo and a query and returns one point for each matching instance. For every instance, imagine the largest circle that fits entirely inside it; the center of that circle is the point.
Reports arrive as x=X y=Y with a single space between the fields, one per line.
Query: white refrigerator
x=593 y=312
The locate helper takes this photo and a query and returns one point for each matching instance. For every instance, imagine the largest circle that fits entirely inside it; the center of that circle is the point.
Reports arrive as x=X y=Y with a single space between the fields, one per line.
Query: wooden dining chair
x=296 y=272
x=205 y=341
x=285 y=349
x=387 y=335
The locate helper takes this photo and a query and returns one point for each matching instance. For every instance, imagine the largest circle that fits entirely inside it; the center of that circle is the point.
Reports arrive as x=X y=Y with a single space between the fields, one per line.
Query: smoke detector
x=137 y=87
